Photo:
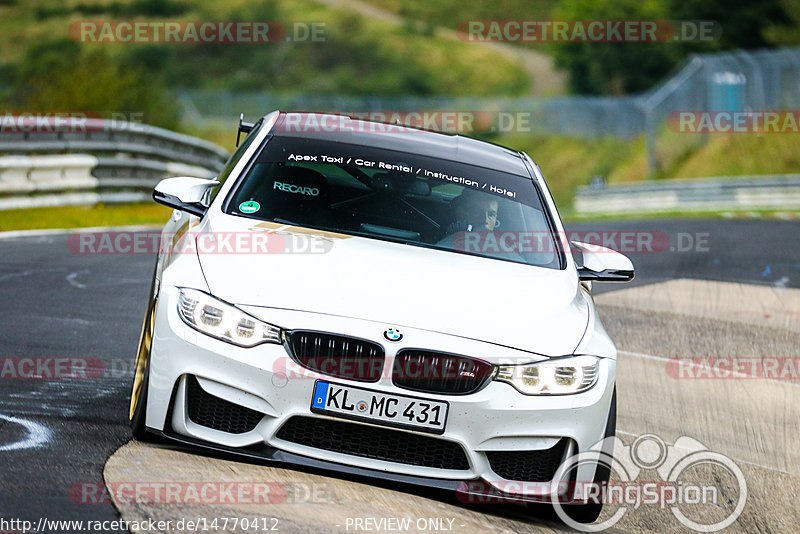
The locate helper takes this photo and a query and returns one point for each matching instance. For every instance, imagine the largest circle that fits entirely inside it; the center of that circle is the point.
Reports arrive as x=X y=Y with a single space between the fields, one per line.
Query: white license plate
x=377 y=407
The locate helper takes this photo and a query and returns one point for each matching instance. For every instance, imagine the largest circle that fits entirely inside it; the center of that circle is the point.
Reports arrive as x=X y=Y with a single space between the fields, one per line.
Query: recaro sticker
x=251 y=206
x=296 y=189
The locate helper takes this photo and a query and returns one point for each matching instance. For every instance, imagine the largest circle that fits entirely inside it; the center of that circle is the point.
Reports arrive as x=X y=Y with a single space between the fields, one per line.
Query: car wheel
x=589 y=512
x=141 y=377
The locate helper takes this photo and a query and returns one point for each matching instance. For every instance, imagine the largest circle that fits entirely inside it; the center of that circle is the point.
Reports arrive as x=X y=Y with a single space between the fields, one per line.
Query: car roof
x=345 y=129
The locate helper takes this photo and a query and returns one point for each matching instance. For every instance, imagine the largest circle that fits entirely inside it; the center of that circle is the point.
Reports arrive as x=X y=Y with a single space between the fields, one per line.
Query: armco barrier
x=106 y=161
x=778 y=192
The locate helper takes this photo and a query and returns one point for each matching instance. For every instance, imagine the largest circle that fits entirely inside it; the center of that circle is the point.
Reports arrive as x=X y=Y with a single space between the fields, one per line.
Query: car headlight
x=223 y=321
x=561 y=376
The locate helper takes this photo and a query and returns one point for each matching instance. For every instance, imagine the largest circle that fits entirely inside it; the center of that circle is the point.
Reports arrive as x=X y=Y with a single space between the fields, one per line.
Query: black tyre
x=589 y=512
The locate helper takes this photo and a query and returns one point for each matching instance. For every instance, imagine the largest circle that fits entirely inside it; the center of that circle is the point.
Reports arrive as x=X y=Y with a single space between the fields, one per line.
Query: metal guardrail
x=114 y=161
x=95 y=160
x=768 y=192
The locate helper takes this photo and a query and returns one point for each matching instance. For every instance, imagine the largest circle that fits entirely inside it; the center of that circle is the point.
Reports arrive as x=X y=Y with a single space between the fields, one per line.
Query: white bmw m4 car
x=381 y=301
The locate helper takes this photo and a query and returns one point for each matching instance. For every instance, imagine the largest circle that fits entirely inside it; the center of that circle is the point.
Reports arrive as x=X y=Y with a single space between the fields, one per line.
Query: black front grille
x=212 y=412
x=439 y=372
x=374 y=442
x=528 y=466
x=334 y=355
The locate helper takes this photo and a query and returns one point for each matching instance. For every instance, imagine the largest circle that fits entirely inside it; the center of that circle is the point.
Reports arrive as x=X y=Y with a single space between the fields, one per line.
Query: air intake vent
x=375 y=442
x=209 y=411
x=334 y=355
x=528 y=466
x=439 y=372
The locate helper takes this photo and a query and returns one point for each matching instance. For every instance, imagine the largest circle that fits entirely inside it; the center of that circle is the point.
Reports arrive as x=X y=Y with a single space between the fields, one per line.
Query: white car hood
x=529 y=308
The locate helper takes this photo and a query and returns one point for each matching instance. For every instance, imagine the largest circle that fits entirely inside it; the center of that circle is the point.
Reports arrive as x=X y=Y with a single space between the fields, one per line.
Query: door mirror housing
x=601 y=264
x=184 y=193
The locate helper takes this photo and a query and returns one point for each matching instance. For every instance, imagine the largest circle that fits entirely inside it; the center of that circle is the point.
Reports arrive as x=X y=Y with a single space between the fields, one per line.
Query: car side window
x=233 y=160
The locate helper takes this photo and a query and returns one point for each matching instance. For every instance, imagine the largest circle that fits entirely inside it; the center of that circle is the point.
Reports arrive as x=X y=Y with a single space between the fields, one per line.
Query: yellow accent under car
x=289 y=229
x=145 y=342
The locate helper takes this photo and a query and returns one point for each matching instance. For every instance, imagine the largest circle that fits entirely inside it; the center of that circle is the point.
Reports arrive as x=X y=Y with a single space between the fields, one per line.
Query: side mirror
x=184 y=193
x=601 y=264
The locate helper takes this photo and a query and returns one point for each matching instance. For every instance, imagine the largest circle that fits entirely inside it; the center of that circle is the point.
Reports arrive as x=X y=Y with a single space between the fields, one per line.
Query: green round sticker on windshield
x=251 y=206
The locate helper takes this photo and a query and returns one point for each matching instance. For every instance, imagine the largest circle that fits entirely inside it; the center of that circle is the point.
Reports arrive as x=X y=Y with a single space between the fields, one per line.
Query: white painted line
x=644 y=356
x=625 y=433
x=56 y=231
x=71 y=279
x=37 y=436
x=4 y=277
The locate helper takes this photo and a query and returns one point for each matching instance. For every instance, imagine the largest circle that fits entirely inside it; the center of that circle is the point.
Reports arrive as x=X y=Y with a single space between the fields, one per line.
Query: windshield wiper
x=285 y=221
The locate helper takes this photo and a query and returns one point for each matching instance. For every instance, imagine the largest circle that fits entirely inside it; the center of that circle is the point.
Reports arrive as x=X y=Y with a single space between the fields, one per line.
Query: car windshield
x=399 y=197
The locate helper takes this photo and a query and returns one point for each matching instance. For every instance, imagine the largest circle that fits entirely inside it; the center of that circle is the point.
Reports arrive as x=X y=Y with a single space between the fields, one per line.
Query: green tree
x=613 y=67
x=744 y=23
x=785 y=34
x=60 y=75
x=620 y=68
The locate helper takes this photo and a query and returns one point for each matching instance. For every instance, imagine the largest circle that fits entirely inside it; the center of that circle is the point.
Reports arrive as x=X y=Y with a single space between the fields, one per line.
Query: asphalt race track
x=706 y=288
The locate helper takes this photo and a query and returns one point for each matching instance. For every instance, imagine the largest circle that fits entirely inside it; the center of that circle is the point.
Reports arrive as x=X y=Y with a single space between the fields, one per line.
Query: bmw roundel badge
x=393 y=334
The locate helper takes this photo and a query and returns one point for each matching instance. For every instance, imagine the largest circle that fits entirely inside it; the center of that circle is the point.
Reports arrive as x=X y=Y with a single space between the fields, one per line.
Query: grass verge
x=84 y=216
x=784 y=215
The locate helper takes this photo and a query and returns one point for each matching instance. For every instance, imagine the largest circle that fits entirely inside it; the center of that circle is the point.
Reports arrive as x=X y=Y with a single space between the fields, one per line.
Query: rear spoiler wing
x=244 y=127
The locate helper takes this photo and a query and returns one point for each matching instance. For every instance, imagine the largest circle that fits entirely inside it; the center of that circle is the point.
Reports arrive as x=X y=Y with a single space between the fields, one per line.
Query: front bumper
x=264 y=379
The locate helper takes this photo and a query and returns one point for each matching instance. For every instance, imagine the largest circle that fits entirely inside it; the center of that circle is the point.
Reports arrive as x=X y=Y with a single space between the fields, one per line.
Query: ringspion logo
x=689 y=477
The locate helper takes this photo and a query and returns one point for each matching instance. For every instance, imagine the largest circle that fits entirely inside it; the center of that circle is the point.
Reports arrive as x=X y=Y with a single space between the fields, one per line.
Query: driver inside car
x=474 y=212
x=487 y=215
